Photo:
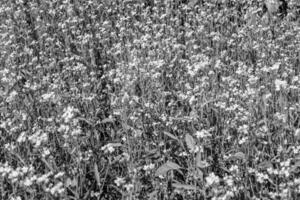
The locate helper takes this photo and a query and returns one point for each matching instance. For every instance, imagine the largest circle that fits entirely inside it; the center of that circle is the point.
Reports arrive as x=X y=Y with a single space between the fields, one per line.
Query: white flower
x=27 y=182
x=229 y=181
x=261 y=177
x=192 y=100
x=126 y=156
x=68 y=114
x=253 y=79
x=38 y=138
x=279 y=84
x=48 y=96
x=24 y=169
x=59 y=174
x=202 y=134
x=234 y=168
x=128 y=187
x=22 y=137
x=44 y=178
x=276 y=66
x=12 y=96
x=272 y=5
x=58 y=188
x=119 y=181
x=16 y=198
x=149 y=167
x=108 y=148
x=63 y=128
x=13 y=175
x=212 y=179
x=243 y=140
x=45 y=153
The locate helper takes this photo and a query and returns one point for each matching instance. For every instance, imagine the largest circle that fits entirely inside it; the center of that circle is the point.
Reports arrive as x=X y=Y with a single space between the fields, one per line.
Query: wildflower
x=27 y=182
x=14 y=175
x=16 y=198
x=234 y=168
x=183 y=154
x=119 y=181
x=285 y=163
x=59 y=174
x=276 y=66
x=125 y=157
x=253 y=79
x=12 y=96
x=243 y=140
x=108 y=148
x=229 y=181
x=212 y=179
x=148 y=167
x=48 y=96
x=22 y=137
x=192 y=100
x=243 y=129
x=63 y=128
x=44 y=178
x=45 y=152
x=68 y=114
x=279 y=84
x=202 y=134
x=58 y=188
x=128 y=187
x=38 y=138
x=76 y=132
x=261 y=177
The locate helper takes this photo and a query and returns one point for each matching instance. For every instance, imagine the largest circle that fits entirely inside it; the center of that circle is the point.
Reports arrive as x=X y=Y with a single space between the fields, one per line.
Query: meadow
x=149 y=100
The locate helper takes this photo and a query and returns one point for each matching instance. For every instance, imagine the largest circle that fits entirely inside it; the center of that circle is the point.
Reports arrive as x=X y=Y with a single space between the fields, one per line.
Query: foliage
x=149 y=100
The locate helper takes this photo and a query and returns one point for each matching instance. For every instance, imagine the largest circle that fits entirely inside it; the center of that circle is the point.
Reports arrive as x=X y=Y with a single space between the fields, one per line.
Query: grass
x=148 y=100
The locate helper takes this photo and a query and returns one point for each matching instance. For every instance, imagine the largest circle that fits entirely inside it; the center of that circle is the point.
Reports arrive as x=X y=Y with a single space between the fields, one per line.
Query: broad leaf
x=153 y=195
x=238 y=156
x=163 y=170
x=171 y=135
x=115 y=144
x=190 y=142
x=265 y=165
x=107 y=120
x=97 y=175
x=295 y=167
x=202 y=164
x=198 y=174
x=184 y=186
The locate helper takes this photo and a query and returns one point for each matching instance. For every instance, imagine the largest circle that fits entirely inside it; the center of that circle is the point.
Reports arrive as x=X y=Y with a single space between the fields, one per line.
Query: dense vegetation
x=113 y=99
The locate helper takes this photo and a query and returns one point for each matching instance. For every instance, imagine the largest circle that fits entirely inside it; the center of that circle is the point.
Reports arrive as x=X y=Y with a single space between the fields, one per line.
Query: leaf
x=107 y=120
x=295 y=167
x=115 y=144
x=198 y=158
x=71 y=183
x=153 y=154
x=171 y=135
x=153 y=195
x=163 y=170
x=202 y=164
x=265 y=165
x=192 y=3
x=190 y=142
x=239 y=156
x=184 y=186
x=97 y=175
x=198 y=174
